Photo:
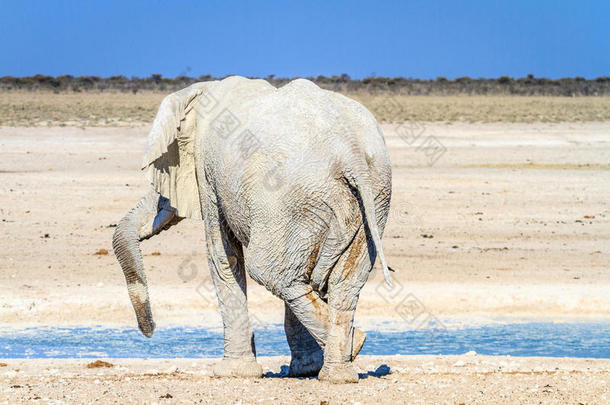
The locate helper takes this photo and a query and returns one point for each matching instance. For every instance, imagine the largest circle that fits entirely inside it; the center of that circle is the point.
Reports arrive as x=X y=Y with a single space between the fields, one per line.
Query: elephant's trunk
x=126 y=245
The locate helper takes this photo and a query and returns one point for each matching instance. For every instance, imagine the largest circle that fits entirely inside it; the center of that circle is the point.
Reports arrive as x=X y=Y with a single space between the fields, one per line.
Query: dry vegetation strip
x=23 y=108
x=33 y=108
x=486 y=108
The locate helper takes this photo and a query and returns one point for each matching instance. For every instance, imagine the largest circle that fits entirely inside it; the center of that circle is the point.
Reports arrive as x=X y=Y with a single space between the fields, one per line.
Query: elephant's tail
x=360 y=183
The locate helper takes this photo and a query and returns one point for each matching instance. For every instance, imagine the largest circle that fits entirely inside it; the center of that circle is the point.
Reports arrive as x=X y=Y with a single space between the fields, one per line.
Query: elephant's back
x=300 y=132
x=315 y=131
x=290 y=148
x=298 y=118
x=301 y=118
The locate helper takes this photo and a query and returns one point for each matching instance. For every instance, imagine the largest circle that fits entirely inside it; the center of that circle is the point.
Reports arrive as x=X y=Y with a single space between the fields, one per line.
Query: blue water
x=527 y=339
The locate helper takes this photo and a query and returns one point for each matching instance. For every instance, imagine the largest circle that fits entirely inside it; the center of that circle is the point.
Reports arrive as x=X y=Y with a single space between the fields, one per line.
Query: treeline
x=530 y=85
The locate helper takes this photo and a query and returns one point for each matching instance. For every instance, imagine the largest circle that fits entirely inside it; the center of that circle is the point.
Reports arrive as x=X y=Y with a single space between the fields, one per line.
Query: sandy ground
x=466 y=379
x=512 y=221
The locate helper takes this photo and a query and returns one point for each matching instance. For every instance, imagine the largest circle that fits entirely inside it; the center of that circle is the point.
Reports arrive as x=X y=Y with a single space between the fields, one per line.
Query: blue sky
x=422 y=39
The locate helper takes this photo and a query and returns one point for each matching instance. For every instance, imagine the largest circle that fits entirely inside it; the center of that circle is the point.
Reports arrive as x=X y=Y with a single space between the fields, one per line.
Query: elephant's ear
x=168 y=161
x=172 y=112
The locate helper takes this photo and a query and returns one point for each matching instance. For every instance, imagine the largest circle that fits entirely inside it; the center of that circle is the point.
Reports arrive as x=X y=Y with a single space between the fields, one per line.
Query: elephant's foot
x=358 y=342
x=246 y=367
x=306 y=364
x=338 y=373
x=309 y=364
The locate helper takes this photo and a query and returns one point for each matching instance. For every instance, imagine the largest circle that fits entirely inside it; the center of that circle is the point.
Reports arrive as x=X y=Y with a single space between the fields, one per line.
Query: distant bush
x=530 y=85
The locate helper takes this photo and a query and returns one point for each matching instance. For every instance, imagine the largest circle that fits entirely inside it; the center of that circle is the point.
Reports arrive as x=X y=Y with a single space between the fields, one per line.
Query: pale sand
x=514 y=200
x=466 y=379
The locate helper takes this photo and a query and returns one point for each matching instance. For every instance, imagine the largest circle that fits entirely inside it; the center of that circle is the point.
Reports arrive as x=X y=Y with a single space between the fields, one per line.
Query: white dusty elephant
x=293 y=185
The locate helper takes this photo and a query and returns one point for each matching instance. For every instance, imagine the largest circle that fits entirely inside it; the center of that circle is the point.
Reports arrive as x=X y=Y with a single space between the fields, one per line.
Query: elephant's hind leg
x=307 y=355
x=346 y=280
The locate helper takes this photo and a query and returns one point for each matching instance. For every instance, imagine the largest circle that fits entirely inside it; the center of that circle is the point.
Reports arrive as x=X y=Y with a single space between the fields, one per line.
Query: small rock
x=459 y=363
x=101 y=252
x=166 y=396
x=100 y=364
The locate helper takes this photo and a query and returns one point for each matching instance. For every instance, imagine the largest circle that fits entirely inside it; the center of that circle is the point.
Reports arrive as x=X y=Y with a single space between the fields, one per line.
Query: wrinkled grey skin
x=292 y=214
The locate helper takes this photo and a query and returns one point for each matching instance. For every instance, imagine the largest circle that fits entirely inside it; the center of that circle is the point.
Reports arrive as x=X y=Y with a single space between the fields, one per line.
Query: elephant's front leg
x=225 y=260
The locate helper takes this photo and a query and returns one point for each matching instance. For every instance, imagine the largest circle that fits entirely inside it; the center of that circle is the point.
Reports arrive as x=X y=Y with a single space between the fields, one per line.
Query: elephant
x=293 y=185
